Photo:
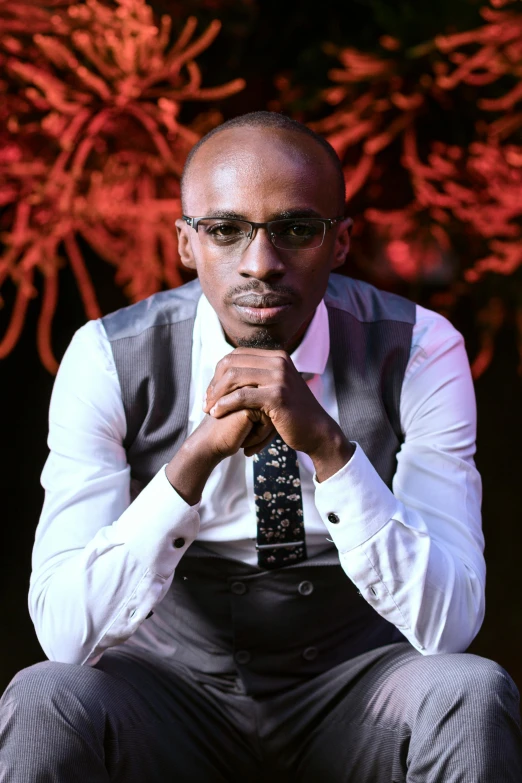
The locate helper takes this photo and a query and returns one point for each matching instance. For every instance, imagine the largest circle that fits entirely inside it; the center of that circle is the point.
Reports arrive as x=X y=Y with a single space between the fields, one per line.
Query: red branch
x=93 y=147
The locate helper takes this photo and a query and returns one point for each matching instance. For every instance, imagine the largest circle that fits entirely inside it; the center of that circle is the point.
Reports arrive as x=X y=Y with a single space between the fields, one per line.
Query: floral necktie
x=279 y=506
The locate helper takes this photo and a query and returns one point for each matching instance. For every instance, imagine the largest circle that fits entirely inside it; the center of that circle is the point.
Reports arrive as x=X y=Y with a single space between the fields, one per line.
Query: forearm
x=432 y=596
x=189 y=469
x=94 y=600
x=332 y=454
x=93 y=586
x=420 y=567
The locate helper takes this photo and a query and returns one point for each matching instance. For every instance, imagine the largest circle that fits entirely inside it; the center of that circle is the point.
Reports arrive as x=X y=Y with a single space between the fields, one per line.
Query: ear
x=342 y=243
x=184 y=246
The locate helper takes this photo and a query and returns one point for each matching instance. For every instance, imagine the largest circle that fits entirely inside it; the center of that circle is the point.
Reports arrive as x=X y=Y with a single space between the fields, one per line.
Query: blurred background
x=101 y=102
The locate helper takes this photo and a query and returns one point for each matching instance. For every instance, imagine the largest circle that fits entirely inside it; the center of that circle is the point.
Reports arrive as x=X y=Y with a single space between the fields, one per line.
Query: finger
x=243 y=351
x=232 y=438
x=246 y=397
x=235 y=378
x=231 y=364
x=259 y=433
x=247 y=357
x=251 y=450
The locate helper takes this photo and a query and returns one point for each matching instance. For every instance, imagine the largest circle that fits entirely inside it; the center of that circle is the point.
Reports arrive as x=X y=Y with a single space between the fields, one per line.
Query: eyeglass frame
x=327 y=223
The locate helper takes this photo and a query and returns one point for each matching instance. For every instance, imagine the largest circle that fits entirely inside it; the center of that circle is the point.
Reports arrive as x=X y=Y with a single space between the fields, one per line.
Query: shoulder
x=433 y=333
x=86 y=394
x=163 y=308
x=366 y=303
x=89 y=347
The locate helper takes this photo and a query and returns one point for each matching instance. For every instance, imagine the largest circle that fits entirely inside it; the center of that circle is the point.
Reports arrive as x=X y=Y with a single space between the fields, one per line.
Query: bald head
x=260 y=173
x=244 y=167
x=249 y=133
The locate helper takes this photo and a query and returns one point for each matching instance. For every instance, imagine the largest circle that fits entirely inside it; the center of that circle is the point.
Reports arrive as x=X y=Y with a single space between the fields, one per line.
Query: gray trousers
x=386 y=716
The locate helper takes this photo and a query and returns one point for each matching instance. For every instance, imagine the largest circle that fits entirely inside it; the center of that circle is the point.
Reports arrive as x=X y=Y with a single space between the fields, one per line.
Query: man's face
x=264 y=296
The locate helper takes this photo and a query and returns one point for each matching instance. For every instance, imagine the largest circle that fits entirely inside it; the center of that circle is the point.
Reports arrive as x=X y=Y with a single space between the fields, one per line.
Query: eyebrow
x=287 y=213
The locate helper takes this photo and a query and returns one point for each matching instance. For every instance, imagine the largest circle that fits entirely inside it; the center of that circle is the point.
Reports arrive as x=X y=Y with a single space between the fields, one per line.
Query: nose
x=261 y=259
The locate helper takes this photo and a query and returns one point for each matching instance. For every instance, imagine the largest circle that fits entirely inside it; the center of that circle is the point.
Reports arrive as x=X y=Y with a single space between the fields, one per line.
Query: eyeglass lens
x=300 y=234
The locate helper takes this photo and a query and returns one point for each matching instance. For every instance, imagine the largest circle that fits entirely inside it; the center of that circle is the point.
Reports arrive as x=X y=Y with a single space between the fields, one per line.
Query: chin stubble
x=261 y=339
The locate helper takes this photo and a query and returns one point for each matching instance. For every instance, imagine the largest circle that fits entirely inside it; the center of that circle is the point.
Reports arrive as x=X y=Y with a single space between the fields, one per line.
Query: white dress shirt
x=101 y=563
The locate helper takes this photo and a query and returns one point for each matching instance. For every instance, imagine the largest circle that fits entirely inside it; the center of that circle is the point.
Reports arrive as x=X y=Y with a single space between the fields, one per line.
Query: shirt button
x=179 y=542
x=305 y=588
x=333 y=518
x=238 y=588
x=242 y=657
x=310 y=654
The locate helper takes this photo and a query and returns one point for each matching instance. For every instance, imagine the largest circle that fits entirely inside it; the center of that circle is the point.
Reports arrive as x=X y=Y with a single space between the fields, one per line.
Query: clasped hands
x=254 y=394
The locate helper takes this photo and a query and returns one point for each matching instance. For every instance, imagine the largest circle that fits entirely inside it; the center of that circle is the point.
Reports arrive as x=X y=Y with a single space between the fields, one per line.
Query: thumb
x=260 y=435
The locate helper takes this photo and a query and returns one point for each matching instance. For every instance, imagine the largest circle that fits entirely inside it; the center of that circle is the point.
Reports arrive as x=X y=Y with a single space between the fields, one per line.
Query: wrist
x=333 y=453
x=189 y=470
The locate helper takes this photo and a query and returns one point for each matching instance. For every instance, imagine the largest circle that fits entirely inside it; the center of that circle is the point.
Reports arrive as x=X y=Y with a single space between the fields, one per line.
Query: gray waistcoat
x=223 y=618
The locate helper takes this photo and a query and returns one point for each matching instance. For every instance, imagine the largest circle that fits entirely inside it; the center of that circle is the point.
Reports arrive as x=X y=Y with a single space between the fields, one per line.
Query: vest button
x=333 y=518
x=242 y=657
x=238 y=588
x=310 y=654
x=305 y=588
x=179 y=542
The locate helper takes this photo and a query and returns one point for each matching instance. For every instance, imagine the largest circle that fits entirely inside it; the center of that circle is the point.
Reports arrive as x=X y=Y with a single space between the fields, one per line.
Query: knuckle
x=225 y=362
x=231 y=373
x=277 y=397
x=282 y=370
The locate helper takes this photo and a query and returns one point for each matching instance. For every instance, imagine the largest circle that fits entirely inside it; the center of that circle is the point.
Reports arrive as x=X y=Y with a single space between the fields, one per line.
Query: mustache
x=255 y=294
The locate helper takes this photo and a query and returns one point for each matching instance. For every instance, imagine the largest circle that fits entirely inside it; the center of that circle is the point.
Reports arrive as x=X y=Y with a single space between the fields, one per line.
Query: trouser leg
x=393 y=715
x=124 y=721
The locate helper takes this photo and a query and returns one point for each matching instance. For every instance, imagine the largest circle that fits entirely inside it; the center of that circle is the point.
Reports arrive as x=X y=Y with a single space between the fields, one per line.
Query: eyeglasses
x=288 y=233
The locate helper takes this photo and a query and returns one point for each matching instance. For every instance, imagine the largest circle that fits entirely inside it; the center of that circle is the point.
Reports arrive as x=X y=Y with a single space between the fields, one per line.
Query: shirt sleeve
x=416 y=553
x=100 y=564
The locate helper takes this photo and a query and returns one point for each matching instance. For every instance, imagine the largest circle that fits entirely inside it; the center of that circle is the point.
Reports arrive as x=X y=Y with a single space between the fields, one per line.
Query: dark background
x=259 y=41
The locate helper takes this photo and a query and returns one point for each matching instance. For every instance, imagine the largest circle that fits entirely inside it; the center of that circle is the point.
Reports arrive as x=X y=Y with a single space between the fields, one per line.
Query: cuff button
x=179 y=542
x=333 y=518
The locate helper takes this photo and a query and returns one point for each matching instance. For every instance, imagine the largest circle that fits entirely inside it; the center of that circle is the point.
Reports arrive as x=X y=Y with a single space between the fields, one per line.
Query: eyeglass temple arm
x=194 y=221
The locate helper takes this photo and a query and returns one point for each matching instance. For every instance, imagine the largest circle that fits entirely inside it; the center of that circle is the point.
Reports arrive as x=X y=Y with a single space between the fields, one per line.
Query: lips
x=261 y=301
x=261 y=308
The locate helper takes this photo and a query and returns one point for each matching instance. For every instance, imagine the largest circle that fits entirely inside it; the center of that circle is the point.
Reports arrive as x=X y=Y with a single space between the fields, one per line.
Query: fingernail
x=212 y=410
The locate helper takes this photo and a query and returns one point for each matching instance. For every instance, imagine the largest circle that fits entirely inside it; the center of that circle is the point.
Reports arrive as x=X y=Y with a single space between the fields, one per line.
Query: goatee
x=261 y=339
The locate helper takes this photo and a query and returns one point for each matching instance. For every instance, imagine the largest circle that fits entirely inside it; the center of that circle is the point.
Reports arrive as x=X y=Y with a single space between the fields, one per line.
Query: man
x=225 y=583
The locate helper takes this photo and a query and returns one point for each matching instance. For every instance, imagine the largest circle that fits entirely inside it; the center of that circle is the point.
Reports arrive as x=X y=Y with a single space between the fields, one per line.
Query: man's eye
x=300 y=230
x=224 y=230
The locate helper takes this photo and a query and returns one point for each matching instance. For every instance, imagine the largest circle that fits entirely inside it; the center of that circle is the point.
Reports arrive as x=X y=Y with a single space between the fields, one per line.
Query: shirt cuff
x=354 y=503
x=158 y=526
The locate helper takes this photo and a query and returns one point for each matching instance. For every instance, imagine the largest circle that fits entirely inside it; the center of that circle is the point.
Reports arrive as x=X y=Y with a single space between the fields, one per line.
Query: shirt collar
x=309 y=357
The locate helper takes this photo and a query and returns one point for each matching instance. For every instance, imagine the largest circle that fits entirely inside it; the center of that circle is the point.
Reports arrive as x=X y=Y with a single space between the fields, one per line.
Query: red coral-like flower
x=92 y=147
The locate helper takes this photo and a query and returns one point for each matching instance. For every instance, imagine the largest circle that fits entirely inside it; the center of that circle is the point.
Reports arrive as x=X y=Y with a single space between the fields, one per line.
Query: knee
x=48 y=683
x=478 y=685
x=476 y=677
